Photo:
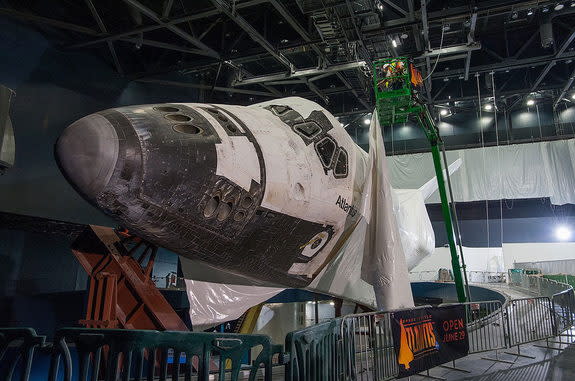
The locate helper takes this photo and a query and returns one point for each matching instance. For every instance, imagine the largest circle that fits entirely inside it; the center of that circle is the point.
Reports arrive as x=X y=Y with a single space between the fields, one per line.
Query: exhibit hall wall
x=55 y=87
x=497 y=259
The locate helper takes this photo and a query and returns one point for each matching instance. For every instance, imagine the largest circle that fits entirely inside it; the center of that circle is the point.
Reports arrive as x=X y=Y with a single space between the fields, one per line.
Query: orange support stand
x=122 y=293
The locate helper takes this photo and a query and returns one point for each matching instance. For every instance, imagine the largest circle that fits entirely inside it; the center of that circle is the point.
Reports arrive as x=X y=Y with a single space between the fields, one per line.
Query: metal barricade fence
x=485 y=326
x=486 y=277
x=529 y=319
x=473 y=276
x=314 y=353
x=126 y=354
x=368 y=347
x=564 y=310
x=355 y=347
x=536 y=284
x=24 y=342
x=108 y=354
x=424 y=276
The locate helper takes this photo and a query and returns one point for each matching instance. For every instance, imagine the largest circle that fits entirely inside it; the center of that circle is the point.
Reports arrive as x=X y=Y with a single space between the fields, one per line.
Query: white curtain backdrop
x=532 y=170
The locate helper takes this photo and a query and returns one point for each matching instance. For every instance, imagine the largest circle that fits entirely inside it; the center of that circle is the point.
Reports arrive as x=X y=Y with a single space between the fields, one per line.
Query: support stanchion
x=519 y=353
x=454 y=368
x=427 y=375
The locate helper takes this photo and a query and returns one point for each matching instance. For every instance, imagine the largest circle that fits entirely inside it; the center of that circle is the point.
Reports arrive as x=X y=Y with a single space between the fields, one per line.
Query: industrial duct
x=546 y=32
x=7 y=146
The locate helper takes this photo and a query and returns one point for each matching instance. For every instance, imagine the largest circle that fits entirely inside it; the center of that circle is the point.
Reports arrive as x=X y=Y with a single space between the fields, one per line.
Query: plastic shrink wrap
x=394 y=234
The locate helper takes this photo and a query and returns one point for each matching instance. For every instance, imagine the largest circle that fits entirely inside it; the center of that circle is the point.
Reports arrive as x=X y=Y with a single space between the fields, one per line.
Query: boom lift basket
x=395 y=80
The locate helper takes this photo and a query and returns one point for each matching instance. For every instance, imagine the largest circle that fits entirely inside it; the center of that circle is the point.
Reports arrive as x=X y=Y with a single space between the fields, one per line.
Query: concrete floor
x=546 y=364
x=552 y=359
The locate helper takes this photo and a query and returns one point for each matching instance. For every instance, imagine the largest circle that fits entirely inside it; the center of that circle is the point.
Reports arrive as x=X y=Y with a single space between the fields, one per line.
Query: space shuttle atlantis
x=275 y=194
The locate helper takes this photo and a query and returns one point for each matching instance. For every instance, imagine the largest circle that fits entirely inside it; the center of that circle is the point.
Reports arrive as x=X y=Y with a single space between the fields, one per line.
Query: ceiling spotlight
x=394 y=43
x=488 y=107
x=514 y=15
x=545 y=9
x=530 y=12
x=572 y=5
x=284 y=41
x=366 y=121
x=443 y=112
x=380 y=6
x=558 y=7
x=573 y=96
x=562 y=233
x=530 y=102
x=446 y=27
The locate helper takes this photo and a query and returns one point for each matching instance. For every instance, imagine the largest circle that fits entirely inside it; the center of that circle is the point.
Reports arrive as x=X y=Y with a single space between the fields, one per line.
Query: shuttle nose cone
x=87 y=152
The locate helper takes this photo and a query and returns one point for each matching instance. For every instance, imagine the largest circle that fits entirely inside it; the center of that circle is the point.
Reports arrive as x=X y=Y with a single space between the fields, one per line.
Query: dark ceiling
x=245 y=51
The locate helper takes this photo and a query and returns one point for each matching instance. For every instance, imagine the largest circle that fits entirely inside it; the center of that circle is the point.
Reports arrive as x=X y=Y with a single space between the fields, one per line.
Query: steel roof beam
x=303 y=33
x=462 y=48
x=550 y=65
x=208 y=87
x=174 y=29
x=173 y=22
x=526 y=44
x=396 y=7
x=298 y=74
x=507 y=64
x=91 y=32
x=565 y=89
x=503 y=94
x=427 y=47
x=226 y=8
x=167 y=8
x=103 y=29
x=47 y=21
x=163 y=45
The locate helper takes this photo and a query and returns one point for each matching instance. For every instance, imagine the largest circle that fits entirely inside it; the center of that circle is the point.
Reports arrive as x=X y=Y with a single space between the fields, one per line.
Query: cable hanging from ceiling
x=483 y=158
x=438 y=55
x=498 y=159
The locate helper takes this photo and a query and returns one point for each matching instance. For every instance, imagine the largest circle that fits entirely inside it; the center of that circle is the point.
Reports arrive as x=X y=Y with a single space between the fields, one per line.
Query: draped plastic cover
x=213 y=303
x=532 y=170
x=384 y=265
x=371 y=268
x=7 y=147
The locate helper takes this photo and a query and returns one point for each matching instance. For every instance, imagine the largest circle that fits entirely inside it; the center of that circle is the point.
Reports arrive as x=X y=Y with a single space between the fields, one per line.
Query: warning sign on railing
x=427 y=337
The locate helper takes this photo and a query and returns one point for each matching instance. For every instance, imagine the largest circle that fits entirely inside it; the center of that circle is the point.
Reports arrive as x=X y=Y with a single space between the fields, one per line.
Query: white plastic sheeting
x=215 y=303
x=415 y=228
x=532 y=170
x=371 y=267
x=384 y=265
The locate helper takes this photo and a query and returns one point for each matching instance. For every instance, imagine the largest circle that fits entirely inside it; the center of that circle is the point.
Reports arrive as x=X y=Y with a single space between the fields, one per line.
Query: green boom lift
x=396 y=99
